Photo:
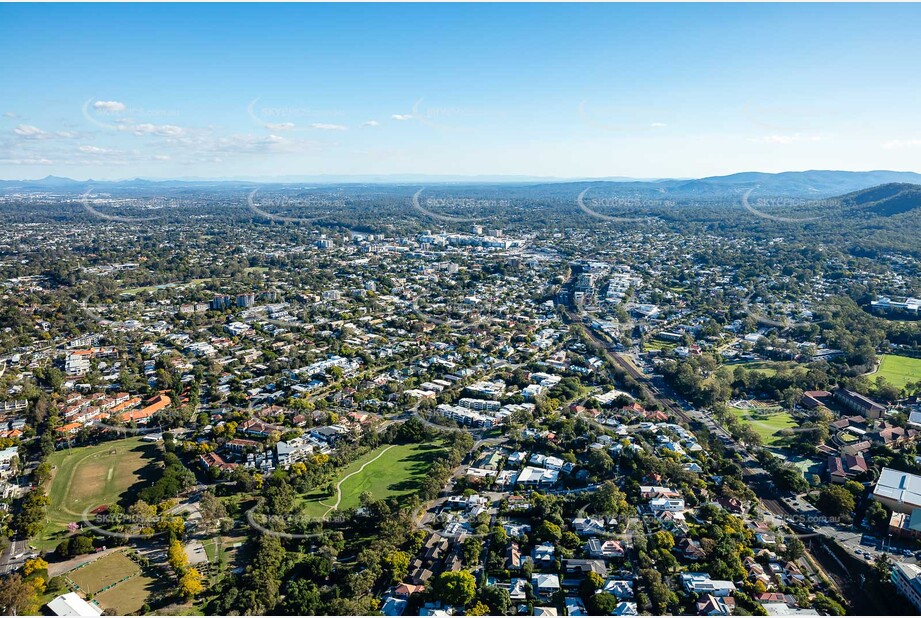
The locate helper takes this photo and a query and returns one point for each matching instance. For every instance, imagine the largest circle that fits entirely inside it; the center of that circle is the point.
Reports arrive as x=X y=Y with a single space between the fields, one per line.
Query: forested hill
x=885 y=200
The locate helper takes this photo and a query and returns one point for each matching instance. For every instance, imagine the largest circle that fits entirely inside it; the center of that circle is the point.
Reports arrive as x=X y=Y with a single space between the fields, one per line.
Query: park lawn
x=899 y=370
x=767 y=425
x=87 y=477
x=103 y=572
x=397 y=472
x=167 y=286
x=657 y=344
x=129 y=596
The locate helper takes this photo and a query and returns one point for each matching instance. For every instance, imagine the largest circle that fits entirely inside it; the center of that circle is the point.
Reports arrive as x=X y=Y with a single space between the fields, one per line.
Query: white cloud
x=162 y=157
x=281 y=126
x=31 y=132
x=658 y=125
x=38 y=161
x=164 y=130
x=323 y=126
x=94 y=149
x=371 y=123
x=112 y=107
x=402 y=117
x=10 y=115
x=27 y=130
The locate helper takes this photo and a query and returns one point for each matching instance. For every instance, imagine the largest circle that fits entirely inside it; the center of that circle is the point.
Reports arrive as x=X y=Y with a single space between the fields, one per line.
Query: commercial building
x=71 y=604
x=899 y=491
x=855 y=402
x=907 y=580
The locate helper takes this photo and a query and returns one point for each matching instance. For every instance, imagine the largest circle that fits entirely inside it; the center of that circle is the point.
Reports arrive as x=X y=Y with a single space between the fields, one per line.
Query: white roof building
x=71 y=604
x=900 y=491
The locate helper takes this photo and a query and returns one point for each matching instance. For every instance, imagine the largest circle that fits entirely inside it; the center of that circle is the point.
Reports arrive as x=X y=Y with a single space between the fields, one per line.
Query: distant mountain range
x=808 y=184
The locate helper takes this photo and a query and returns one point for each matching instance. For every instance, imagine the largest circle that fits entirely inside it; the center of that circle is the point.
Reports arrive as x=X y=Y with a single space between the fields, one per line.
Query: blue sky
x=166 y=90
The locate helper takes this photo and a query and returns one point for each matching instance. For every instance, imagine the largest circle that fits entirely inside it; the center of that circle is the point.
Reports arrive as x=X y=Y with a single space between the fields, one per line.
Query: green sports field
x=387 y=471
x=129 y=596
x=103 y=572
x=899 y=370
x=87 y=477
x=767 y=423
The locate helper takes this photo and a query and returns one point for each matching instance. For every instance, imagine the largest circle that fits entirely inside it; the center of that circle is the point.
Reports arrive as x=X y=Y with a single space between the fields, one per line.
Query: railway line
x=757 y=479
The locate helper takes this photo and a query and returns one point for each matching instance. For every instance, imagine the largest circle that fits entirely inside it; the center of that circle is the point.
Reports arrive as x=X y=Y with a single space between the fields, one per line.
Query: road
x=9 y=561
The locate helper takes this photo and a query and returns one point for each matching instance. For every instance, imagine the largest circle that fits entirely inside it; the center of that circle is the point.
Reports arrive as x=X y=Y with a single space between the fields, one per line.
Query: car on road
x=867 y=556
x=906 y=552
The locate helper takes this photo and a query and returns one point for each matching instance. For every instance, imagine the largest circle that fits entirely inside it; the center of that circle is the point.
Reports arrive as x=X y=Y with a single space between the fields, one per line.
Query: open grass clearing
x=898 y=370
x=87 y=477
x=388 y=471
x=767 y=422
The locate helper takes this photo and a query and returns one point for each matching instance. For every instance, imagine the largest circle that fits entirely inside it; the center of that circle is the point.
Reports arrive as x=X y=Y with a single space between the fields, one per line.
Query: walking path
x=348 y=476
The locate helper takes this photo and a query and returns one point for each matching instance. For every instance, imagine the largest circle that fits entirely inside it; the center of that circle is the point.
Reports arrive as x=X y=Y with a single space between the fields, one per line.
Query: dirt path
x=58 y=568
x=348 y=476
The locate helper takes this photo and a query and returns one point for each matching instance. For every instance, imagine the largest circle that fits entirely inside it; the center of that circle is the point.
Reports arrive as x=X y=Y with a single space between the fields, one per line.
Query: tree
x=177 y=558
x=81 y=545
x=302 y=598
x=190 y=584
x=591 y=584
x=212 y=509
x=17 y=596
x=397 y=562
x=498 y=600
x=835 y=501
x=795 y=549
x=549 y=531
x=280 y=498
x=265 y=572
x=828 y=606
x=602 y=604
x=480 y=609
x=609 y=500
x=877 y=515
x=455 y=587
x=472 y=549
x=600 y=463
x=33 y=565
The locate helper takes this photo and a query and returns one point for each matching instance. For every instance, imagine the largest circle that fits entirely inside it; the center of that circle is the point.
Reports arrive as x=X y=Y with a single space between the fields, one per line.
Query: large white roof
x=899 y=486
x=71 y=604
